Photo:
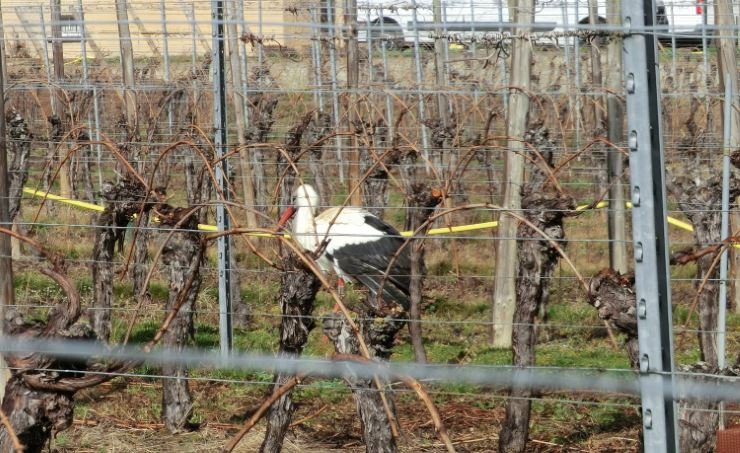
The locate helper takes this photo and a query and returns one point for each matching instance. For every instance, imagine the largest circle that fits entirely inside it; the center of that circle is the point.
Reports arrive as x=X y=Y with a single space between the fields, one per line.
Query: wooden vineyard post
x=6 y=261
x=618 y=259
x=237 y=101
x=353 y=76
x=504 y=295
x=65 y=186
x=127 y=61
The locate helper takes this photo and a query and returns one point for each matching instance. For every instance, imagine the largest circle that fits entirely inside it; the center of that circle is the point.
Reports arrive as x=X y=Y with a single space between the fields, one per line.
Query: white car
x=396 y=23
x=686 y=21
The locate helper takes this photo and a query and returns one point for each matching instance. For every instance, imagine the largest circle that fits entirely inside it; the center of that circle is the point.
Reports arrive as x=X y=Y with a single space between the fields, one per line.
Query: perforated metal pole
x=725 y=224
x=724 y=233
x=222 y=172
x=649 y=228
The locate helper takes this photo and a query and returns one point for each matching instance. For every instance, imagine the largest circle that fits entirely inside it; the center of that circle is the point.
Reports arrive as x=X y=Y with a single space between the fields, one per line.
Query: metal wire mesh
x=438 y=89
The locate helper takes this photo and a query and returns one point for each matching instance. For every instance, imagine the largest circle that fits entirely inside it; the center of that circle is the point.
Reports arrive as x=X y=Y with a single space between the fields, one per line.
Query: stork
x=353 y=243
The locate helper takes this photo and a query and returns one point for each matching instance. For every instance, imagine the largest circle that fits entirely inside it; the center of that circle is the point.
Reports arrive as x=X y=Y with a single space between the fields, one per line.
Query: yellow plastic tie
x=434 y=231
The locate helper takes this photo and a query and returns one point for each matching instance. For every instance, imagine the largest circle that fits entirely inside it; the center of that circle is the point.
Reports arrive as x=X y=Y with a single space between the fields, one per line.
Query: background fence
x=425 y=114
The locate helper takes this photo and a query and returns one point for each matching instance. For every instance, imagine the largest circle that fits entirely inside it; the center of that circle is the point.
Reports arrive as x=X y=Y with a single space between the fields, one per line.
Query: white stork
x=353 y=243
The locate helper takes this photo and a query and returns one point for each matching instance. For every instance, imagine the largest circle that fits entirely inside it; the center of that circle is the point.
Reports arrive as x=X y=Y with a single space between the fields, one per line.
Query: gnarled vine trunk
x=379 y=333
x=19 y=150
x=538 y=258
x=421 y=201
x=613 y=295
x=298 y=288
x=34 y=415
x=700 y=200
x=537 y=261
x=182 y=255
x=39 y=397
x=122 y=200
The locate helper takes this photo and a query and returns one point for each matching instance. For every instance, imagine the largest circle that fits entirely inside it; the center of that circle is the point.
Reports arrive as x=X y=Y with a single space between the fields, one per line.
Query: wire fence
x=386 y=105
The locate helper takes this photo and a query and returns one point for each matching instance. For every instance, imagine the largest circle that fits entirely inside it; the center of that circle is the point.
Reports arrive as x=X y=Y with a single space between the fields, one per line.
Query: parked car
x=686 y=21
x=395 y=23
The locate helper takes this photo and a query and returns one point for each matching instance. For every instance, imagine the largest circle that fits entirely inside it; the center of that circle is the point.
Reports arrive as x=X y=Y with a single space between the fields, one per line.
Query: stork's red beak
x=287 y=214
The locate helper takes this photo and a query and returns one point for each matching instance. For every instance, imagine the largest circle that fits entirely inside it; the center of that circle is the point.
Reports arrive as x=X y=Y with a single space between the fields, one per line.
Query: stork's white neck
x=305 y=228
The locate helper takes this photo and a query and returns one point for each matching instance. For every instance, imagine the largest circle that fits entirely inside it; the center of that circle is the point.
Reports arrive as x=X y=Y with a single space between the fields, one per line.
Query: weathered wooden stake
x=58 y=108
x=127 y=62
x=375 y=186
x=504 y=295
x=240 y=118
x=618 y=259
x=6 y=260
x=353 y=76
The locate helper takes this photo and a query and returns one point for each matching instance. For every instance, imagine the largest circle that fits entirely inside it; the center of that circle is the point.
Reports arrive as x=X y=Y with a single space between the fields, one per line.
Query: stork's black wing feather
x=368 y=261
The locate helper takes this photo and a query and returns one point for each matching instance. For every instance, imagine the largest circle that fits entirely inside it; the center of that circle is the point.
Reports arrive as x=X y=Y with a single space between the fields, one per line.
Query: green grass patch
x=576 y=353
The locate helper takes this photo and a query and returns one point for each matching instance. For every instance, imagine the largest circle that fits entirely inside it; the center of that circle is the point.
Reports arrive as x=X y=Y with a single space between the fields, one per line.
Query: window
x=71 y=28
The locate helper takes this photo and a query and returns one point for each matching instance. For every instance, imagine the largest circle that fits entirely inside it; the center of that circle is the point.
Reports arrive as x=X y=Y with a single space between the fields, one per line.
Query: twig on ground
x=310 y=416
x=282 y=390
x=420 y=391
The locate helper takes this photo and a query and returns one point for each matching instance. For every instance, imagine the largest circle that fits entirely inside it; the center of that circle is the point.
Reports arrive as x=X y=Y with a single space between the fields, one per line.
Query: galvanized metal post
x=83 y=43
x=724 y=233
x=578 y=82
x=57 y=55
x=725 y=223
x=243 y=56
x=98 y=147
x=3 y=52
x=222 y=173
x=649 y=227
x=440 y=80
x=389 y=115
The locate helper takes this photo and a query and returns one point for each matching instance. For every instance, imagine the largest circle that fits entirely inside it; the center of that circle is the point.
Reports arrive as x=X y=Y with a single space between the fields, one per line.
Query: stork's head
x=304 y=197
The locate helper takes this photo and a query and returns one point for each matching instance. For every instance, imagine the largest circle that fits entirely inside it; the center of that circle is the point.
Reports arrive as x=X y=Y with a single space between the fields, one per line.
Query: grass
x=573 y=338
